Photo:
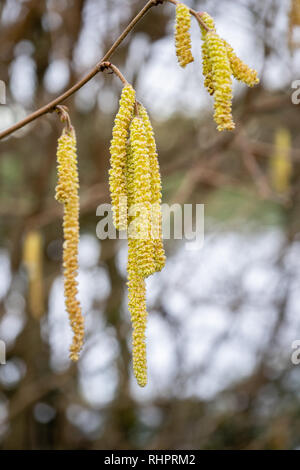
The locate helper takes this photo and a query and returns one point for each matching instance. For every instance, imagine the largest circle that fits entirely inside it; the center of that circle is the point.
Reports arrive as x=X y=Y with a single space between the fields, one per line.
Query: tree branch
x=98 y=68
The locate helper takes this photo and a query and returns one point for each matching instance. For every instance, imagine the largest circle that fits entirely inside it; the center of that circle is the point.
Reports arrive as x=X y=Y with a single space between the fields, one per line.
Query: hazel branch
x=97 y=68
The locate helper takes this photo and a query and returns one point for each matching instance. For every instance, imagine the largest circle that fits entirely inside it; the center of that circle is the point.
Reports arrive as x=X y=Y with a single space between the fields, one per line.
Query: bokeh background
x=222 y=319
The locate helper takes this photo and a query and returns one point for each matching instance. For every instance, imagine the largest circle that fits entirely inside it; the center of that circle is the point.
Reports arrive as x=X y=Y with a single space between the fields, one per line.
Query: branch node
x=104 y=65
x=108 y=65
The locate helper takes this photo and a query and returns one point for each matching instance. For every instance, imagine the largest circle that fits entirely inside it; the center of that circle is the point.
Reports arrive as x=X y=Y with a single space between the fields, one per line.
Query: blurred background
x=222 y=319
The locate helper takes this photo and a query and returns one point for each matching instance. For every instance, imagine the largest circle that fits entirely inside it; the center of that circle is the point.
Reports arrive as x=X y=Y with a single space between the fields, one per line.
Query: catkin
x=67 y=193
x=135 y=175
x=141 y=226
x=219 y=62
x=206 y=62
x=155 y=184
x=33 y=260
x=117 y=172
x=280 y=162
x=137 y=307
x=240 y=70
x=182 y=35
x=136 y=287
x=294 y=20
x=222 y=81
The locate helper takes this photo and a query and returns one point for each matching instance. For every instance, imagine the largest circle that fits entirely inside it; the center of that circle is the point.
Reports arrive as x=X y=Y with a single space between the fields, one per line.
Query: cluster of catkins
x=67 y=194
x=135 y=182
x=219 y=61
x=135 y=187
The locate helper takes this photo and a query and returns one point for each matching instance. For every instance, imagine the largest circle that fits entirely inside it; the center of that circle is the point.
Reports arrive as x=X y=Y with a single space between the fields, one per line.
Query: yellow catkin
x=135 y=175
x=117 y=172
x=222 y=81
x=33 y=261
x=182 y=35
x=67 y=193
x=206 y=62
x=280 y=162
x=136 y=290
x=129 y=179
x=155 y=183
x=141 y=225
x=240 y=70
x=137 y=308
x=294 y=20
x=219 y=63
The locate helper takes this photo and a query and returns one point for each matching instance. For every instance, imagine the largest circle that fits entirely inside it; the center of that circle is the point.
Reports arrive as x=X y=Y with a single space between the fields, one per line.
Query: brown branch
x=98 y=68
x=115 y=70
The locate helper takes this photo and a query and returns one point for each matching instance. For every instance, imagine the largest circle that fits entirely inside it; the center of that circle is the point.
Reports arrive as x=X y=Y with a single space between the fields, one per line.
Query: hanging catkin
x=136 y=288
x=280 y=162
x=294 y=21
x=155 y=185
x=222 y=81
x=33 y=260
x=117 y=172
x=219 y=63
x=135 y=176
x=182 y=35
x=141 y=225
x=67 y=194
x=240 y=70
x=206 y=62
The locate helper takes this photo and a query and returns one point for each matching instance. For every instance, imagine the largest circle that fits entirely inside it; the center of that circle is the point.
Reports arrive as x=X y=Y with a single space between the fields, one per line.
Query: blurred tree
x=45 y=47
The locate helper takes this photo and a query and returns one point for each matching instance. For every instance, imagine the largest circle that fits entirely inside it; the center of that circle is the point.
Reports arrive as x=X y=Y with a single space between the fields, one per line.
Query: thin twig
x=196 y=14
x=51 y=106
x=63 y=113
x=115 y=70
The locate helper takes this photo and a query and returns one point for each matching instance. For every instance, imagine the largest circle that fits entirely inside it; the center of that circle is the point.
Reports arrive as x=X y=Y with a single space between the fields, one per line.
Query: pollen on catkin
x=67 y=193
x=117 y=172
x=135 y=176
x=155 y=184
x=141 y=224
x=138 y=312
x=182 y=35
x=136 y=287
x=206 y=62
x=222 y=81
x=240 y=70
x=219 y=63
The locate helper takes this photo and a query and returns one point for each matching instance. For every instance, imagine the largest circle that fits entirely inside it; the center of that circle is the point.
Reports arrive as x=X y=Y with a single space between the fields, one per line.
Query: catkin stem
x=115 y=70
